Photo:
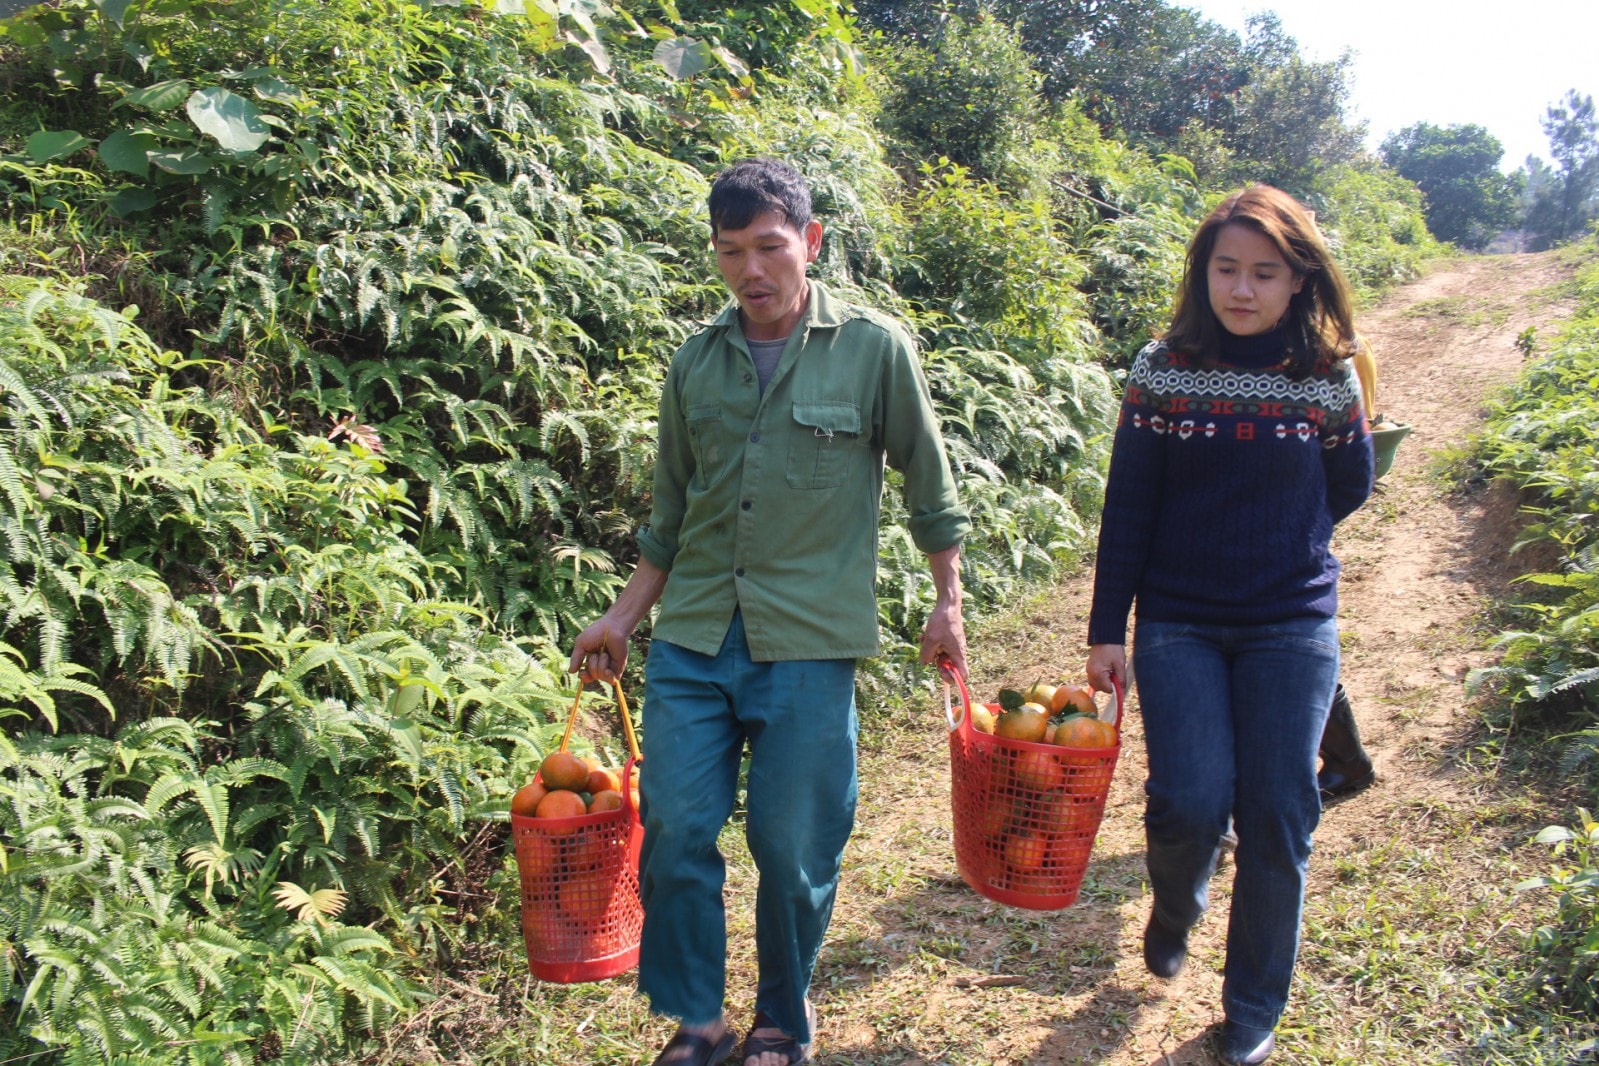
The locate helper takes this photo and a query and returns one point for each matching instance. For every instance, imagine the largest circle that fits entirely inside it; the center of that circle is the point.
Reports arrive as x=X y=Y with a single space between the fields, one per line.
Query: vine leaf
x=188 y=161
x=128 y=152
x=162 y=96
x=683 y=57
x=115 y=10
x=228 y=118
x=53 y=144
x=132 y=201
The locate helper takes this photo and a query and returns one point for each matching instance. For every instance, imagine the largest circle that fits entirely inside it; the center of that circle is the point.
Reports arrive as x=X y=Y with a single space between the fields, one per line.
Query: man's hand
x=600 y=651
x=946 y=634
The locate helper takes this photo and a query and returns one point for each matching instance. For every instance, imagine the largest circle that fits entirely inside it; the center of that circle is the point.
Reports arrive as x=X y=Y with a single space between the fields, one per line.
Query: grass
x=1472 y=313
x=1413 y=951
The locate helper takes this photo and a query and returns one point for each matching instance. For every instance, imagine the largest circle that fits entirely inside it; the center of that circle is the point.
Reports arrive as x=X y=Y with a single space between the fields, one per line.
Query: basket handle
x=621 y=706
x=1121 y=703
x=946 y=667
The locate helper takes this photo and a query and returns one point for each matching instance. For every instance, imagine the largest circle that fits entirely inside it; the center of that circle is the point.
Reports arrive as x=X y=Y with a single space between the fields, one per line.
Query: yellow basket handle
x=621 y=705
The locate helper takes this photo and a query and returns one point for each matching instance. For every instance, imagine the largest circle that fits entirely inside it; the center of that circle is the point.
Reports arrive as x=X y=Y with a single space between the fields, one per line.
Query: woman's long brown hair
x=1320 y=315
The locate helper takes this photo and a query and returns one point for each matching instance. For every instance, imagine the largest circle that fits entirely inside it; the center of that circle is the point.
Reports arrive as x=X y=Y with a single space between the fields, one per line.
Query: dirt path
x=920 y=971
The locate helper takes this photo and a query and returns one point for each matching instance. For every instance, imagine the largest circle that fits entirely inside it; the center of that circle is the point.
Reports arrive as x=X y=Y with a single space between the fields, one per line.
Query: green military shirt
x=770 y=502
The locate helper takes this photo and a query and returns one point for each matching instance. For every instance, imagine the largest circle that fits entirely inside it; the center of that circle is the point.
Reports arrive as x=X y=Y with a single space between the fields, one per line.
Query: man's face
x=763 y=265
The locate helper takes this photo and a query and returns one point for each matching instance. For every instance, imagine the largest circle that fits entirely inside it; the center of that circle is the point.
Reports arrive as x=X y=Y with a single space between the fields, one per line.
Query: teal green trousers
x=798 y=720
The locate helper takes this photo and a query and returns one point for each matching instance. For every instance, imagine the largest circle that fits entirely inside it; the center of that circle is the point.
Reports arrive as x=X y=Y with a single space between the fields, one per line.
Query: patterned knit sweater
x=1225 y=482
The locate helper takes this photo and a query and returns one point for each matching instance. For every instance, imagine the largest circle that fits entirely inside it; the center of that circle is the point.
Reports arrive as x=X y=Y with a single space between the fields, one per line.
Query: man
x=775 y=424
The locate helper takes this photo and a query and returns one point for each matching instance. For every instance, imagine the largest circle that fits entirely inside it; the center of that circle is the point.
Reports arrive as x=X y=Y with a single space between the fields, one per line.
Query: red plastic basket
x=1025 y=814
x=581 y=915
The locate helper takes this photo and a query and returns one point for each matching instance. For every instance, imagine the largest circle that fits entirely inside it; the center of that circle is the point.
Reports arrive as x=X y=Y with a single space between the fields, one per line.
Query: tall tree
x=970 y=95
x=1563 y=206
x=1141 y=68
x=1289 y=120
x=1457 y=168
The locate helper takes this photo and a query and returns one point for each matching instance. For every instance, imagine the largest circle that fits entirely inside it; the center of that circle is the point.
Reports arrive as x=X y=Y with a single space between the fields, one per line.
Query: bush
x=1373 y=220
x=1541 y=436
x=1569 y=947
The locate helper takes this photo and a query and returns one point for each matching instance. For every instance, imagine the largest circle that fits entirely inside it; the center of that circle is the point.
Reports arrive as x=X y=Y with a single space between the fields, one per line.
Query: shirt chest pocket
x=704 y=424
x=823 y=445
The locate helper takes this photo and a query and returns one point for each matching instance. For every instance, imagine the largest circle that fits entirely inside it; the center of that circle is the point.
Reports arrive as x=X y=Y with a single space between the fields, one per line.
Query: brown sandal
x=706 y=1053
x=793 y=1051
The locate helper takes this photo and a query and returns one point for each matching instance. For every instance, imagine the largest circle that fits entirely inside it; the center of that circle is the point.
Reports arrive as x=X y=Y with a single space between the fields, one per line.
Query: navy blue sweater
x=1225 y=482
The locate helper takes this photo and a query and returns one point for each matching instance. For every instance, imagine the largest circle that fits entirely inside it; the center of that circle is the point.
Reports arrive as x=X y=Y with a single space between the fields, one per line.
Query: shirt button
x=739 y=572
x=755 y=438
x=748 y=378
x=747 y=505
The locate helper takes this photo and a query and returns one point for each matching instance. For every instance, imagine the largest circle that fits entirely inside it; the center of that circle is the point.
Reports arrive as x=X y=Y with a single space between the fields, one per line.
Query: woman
x=1241 y=441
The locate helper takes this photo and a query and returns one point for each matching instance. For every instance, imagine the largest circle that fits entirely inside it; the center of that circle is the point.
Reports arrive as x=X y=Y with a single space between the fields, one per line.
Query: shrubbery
x=330 y=341
x=1542 y=437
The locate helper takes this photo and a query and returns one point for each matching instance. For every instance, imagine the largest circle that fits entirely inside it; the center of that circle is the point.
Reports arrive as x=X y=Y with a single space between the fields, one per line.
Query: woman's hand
x=1105 y=663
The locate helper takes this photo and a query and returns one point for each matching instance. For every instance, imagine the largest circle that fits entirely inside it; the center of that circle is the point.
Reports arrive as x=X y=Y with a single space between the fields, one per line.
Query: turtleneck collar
x=1255 y=352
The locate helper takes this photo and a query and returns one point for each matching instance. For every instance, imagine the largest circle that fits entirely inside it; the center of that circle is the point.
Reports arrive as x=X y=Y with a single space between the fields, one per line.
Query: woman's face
x=1250 y=283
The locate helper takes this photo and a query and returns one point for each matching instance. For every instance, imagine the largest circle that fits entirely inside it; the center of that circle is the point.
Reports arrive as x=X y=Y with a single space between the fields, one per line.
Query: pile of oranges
x=1045 y=797
x=567 y=786
x=573 y=869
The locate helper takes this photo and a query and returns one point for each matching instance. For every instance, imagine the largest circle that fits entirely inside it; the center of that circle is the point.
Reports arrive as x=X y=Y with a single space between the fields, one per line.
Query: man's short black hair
x=745 y=191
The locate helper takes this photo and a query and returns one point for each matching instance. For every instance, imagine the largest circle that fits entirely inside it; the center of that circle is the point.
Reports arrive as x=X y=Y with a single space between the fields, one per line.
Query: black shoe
x=1244 y=1045
x=1164 y=950
x=1334 y=780
x=1345 y=766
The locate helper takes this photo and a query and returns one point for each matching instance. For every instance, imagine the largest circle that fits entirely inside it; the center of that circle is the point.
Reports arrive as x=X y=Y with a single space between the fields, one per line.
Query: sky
x=1497 y=65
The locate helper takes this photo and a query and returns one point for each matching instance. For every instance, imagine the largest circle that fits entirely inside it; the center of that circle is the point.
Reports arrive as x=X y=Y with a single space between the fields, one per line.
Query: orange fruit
x=526 y=800
x=589 y=851
x=539 y=857
x=586 y=898
x=983 y=720
x=1038 y=770
x=995 y=819
x=1082 y=731
x=1039 y=693
x=1062 y=815
x=561 y=803
x=609 y=799
x=1026 y=852
x=1027 y=722
x=603 y=781
x=1076 y=697
x=562 y=769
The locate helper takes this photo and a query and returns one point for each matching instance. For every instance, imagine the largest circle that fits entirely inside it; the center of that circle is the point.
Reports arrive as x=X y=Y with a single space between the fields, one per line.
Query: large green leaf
x=230 y=119
x=130 y=201
x=162 y=96
x=188 y=161
x=684 y=57
x=53 y=144
x=128 y=152
x=115 y=10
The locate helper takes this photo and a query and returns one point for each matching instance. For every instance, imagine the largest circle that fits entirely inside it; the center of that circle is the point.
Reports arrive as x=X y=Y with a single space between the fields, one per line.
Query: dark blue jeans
x=1232 y=719
x=799 y=721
